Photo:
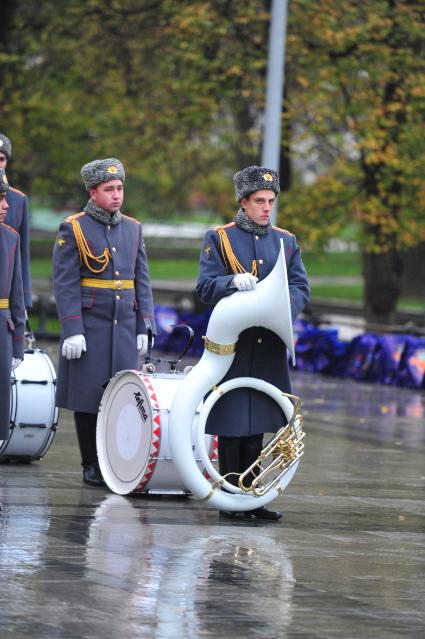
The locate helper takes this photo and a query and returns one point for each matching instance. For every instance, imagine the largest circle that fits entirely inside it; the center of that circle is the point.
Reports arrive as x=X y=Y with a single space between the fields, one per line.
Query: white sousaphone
x=268 y=305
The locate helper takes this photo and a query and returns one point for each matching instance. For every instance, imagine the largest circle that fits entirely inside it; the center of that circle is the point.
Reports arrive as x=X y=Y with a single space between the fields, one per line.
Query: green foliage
x=173 y=89
x=357 y=78
x=176 y=90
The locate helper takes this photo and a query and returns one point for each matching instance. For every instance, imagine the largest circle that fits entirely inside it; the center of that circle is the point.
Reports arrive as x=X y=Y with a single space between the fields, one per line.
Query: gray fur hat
x=4 y=184
x=255 y=178
x=93 y=173
x=5 y=146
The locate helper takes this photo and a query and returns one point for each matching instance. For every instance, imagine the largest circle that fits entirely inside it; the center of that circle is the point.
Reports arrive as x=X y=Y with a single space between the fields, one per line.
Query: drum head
x=128 y=433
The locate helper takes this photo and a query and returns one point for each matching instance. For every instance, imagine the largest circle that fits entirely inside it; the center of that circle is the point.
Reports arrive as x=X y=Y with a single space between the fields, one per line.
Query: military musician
x=12 y=309
x=104 y=301
x=235 y=257
x=18 y=218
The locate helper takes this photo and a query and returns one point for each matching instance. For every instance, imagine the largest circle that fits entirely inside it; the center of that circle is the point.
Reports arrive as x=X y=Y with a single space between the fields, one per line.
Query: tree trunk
x=414 y=271
x=285 y=164
x=382 y=273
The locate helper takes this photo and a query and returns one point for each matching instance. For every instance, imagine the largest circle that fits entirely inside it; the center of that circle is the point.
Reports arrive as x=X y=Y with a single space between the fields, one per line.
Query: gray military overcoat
x=259 y=352
x=109 y=319
x=18 y=218
x=12 y=319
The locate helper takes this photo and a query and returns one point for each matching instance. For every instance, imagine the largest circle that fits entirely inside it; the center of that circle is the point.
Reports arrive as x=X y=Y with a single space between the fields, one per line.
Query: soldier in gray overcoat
x=12 y=309
x=18 y=218
x=104 y=301
x=235 y=257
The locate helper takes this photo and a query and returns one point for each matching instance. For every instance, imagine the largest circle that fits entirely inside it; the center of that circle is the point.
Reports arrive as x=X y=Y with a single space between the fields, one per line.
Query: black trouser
x=85 y=425
x=236 y=454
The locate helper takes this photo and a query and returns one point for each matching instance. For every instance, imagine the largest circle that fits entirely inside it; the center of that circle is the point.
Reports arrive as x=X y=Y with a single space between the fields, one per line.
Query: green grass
x=41 y=267
x=327 y=264
x=52 y=325
x=352 y=292
x=173 y=269
x=347 y=264
x=159 y=269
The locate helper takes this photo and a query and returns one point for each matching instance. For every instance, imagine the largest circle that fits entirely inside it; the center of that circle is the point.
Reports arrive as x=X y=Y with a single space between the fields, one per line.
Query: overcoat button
x=257 y=237
x=113 y=248
x=260 y=340
x=115 y=321
x=117 y=272
x=260 y=261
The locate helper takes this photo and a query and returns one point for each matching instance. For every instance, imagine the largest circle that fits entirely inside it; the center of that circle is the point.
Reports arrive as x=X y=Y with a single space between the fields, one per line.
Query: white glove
x=245 y=282
x=73 y=346
x=16 y=361
x=142 y=343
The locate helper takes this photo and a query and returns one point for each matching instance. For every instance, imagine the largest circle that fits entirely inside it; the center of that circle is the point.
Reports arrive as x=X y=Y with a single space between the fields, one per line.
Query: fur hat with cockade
x=255 y=178
x=97 y=171
x=5 y=146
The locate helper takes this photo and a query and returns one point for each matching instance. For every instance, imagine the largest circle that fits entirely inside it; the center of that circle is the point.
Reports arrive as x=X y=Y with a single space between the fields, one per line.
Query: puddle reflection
x=386 y=413
x=23 y=531
x=183 y=582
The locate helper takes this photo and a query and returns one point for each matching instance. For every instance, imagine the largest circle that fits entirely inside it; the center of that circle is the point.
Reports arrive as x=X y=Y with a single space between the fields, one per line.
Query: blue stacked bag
x=319 y=350
x=411 y=372
x=165 y=318
x=374 y=358
x=397 y=360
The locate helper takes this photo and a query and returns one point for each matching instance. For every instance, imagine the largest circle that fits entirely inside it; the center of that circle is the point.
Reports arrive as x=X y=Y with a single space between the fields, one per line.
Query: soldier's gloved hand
x=142 y=343
x=245 y=282
x=73 y=346
x=16 y=361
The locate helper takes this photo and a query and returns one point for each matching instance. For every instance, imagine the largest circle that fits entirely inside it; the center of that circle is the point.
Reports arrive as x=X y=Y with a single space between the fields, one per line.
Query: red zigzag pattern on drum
x=156 y=435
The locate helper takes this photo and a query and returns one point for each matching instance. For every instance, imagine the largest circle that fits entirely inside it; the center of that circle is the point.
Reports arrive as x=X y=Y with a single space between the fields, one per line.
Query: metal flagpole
x=275 y=80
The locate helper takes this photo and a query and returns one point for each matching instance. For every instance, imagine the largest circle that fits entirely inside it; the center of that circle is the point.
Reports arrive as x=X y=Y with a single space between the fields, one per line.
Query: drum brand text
x=140 y=405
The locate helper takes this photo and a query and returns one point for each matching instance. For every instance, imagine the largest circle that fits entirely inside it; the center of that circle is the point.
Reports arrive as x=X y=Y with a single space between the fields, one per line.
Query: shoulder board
x=132 y=219
x=16 y=191
x=276 y=228
x=74 y=217
x=10 y=229
x=225 y=226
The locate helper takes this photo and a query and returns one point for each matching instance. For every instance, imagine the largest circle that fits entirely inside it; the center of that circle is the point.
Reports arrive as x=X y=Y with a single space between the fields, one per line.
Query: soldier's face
x=3 y=207
x=258 y=206
x=3 y=161
x=108 y=195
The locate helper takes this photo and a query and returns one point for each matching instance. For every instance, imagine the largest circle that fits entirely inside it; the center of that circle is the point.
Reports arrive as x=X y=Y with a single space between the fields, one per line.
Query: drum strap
x=97 y=282
x=4 y=303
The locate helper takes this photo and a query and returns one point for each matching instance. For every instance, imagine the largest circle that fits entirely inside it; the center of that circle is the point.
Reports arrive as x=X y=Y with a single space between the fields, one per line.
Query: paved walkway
x=347 y=560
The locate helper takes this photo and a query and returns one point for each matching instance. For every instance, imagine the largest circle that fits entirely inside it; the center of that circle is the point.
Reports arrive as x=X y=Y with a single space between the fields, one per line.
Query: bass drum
x=132 y=434
x=33 y=415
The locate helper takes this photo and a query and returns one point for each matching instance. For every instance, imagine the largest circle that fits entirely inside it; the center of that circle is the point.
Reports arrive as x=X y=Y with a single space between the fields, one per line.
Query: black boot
x=265 y=513
x=85 y=425
x=232 y=514
x=92 y=475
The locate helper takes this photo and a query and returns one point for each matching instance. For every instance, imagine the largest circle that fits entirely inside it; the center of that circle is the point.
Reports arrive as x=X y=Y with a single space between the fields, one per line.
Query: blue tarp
x=397 y=360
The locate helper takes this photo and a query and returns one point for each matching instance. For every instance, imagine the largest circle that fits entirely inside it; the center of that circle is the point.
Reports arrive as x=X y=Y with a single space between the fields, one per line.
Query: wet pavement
x=347 y=560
